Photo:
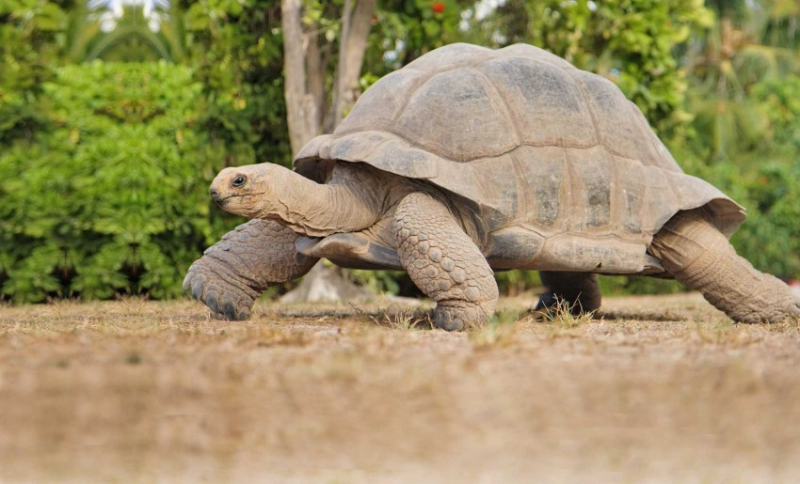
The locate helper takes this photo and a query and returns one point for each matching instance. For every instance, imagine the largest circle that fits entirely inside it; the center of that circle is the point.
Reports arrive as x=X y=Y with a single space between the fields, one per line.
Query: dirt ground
x=654 y=389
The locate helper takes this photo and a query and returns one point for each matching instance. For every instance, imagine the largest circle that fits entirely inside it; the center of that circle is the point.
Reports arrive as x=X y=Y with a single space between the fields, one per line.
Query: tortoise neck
x=351 y=201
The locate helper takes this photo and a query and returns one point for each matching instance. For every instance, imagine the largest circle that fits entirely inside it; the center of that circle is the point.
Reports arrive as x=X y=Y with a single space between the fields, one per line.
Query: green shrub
x=111 y=195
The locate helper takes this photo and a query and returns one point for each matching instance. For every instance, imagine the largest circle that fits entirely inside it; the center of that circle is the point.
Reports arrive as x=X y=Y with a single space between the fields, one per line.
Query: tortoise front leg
x=576 y=291
x=444 y=263
x=700 y=257
x=233 y=272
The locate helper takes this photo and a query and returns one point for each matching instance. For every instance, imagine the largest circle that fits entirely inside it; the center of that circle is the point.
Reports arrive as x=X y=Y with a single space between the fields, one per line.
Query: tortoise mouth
x=217 y=198
x=221 y=201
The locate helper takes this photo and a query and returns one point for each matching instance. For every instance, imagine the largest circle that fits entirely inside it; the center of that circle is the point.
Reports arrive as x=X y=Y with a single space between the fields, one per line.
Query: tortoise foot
x=227 y=298
x=458 y=316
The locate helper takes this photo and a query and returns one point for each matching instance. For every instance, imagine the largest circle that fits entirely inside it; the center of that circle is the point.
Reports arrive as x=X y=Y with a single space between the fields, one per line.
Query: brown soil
x=658 y=389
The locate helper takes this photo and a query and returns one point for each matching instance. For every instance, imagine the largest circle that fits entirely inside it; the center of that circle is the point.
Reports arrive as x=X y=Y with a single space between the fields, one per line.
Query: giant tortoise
x=470 y=160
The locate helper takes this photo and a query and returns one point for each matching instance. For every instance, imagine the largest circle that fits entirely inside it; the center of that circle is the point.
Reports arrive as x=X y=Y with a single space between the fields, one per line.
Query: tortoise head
x=244 y=190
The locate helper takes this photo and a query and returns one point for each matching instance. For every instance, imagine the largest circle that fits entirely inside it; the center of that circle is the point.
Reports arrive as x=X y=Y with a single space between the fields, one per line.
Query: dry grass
x=649 y=390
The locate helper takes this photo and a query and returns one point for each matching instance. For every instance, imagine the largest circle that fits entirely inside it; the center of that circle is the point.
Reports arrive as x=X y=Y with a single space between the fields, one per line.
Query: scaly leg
x=700 y=257
x=233 y=272
x=576 y=291
x=444 y=263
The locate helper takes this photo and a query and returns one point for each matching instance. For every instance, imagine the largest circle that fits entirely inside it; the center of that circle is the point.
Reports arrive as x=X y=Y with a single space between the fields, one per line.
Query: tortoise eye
x=239 y=181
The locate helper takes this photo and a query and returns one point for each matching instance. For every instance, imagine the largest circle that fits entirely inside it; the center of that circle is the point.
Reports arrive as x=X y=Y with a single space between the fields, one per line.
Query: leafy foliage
x=235 y=50
x=111 y=196
x=30 y=32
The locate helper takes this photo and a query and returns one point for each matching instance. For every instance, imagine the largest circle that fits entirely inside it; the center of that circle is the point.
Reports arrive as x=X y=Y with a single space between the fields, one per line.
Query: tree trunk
x=315 y=73
x=305 y=105
x=302 y=111
x=356 y=24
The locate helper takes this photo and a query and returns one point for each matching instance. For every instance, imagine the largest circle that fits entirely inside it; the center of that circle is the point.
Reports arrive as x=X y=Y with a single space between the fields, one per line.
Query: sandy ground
x=657 y=389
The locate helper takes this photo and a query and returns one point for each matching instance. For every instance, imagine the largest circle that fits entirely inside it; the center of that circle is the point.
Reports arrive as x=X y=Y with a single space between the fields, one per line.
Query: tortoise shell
x=564 y=172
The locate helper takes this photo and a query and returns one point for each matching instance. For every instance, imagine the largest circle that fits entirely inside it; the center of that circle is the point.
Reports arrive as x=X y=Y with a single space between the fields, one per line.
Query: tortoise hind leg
x=576 y=291
x=700 y=257
x=233 y=272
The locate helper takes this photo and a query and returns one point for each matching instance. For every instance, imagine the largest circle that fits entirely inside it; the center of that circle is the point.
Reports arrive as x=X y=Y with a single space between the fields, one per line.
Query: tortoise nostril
x=215 y=195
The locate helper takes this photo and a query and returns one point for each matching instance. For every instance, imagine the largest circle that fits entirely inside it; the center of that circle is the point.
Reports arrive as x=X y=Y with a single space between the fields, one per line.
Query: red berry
x=438 y=7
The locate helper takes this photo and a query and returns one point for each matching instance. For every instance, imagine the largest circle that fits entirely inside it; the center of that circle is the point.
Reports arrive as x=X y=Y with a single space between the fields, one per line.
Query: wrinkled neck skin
x=356 y=197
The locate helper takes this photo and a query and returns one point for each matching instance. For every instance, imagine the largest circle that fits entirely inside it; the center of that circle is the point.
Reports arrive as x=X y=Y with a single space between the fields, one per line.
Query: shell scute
x=482 y=128
x=617 y=126
x=547 y=107
x=377 y=109
x=548 y=179
x=592 y=200
x=632 y=188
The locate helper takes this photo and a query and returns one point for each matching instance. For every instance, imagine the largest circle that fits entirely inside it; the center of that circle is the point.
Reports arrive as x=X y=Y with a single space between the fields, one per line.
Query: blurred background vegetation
x=116 y=114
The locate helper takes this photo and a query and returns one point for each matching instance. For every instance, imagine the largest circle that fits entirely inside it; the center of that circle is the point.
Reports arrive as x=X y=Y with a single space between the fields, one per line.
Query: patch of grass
x=563 y=315
x=724 y=332
x=133 y=304
x=790 y=325
x=404 y=320
x=565 y=319
x=499 y=332
x=561 y=322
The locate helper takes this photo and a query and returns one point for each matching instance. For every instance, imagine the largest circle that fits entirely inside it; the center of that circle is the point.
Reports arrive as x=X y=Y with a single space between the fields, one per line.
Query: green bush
x=111 y=195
